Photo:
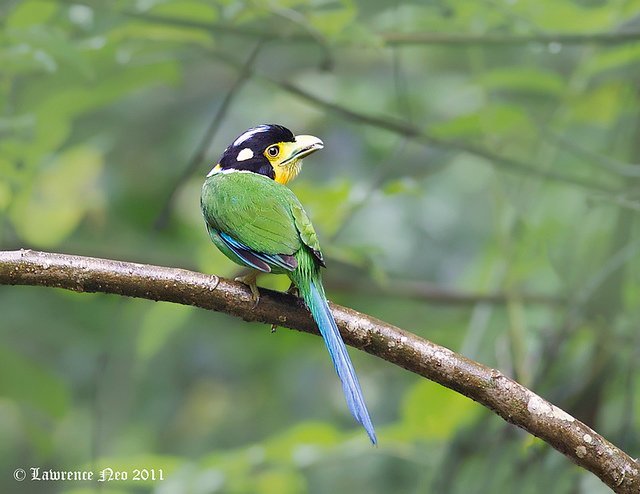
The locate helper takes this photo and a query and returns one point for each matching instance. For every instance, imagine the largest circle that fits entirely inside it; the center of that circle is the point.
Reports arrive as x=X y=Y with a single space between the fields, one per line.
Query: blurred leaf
x=617 y=57
x=493 y=120
x=109 y=88
x=160 y=322
x=403 y=185
x=431 y=411
x=5 y=195
x=326 y=204
x=147 y=34
x=524 y=79
x=568 y=16
x=359 y=34
x=205 y=406
x=187 y=9
x=51 y=131
x=280 y=481
x=46 y=212
x=17 y=58
x=16 y=124
x=50 y=50
x=599 y=105
x=11 y=426
x=314 y=434
x=30 y=12
x=335 y=21
x=26 y=382
x=55 y=111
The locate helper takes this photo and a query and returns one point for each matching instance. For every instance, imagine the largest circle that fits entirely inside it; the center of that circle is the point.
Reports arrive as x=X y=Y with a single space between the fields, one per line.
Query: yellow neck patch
x=286 y=173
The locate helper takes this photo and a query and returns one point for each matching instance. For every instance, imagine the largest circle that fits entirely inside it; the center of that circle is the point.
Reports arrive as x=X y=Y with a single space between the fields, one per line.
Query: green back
x=258 y=212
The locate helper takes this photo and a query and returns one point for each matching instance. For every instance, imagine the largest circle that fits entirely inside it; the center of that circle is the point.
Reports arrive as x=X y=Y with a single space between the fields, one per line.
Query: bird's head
x=270 y=150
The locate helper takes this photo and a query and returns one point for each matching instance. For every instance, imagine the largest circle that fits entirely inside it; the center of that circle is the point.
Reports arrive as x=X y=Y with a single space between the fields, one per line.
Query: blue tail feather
x=319 y=308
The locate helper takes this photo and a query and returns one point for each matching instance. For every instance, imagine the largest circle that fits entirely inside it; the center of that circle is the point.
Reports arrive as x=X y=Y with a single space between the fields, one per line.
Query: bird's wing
x=306 y=230
x=253 y=216
x=258 y=260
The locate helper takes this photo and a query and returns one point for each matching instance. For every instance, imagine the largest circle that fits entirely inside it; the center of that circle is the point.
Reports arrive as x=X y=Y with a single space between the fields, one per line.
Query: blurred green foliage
x=103 y=104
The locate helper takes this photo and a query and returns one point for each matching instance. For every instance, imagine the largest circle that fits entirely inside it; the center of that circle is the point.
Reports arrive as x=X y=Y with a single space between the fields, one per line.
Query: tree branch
x=512 y=401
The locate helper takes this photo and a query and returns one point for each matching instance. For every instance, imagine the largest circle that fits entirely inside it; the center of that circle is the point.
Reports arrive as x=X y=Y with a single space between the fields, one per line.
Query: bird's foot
x=293 y=290
x=250 y=281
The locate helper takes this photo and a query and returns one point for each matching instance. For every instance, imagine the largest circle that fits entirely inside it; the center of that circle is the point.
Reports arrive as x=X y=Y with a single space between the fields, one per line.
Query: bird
x=258 y=222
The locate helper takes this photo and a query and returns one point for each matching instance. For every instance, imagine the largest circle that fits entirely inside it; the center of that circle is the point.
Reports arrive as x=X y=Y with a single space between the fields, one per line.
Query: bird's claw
x=250 y=281
x=293 y=290
x=255 y=295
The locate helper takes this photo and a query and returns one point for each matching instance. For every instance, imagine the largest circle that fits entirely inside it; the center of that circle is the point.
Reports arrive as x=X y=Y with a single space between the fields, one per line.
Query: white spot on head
x=249 y=134
x=245 y=154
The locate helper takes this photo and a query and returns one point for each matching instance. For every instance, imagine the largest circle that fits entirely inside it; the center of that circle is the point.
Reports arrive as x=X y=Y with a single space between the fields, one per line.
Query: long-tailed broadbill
x=258 y=222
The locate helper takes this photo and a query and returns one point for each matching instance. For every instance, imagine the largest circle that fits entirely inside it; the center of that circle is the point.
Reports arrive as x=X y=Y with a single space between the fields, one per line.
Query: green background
x=501 y=160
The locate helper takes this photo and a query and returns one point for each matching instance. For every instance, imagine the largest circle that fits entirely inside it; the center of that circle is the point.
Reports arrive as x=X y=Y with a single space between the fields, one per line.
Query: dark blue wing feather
x=259 y=260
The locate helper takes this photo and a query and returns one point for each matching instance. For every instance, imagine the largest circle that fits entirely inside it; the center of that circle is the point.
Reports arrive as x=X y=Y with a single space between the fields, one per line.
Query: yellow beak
x=304 y=146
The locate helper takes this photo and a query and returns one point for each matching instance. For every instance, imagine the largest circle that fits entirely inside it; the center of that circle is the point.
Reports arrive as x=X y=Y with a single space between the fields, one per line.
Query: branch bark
x=489 y=387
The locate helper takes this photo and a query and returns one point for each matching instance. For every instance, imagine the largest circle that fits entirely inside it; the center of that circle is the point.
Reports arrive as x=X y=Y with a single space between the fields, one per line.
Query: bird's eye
x=273 y=151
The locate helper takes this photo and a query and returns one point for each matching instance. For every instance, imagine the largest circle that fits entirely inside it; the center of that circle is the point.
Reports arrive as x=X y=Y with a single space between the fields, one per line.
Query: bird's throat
x=285 y=174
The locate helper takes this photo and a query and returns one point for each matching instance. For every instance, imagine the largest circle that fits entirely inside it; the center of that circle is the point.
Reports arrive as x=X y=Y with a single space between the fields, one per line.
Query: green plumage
x=260 y=223
x=261 y=214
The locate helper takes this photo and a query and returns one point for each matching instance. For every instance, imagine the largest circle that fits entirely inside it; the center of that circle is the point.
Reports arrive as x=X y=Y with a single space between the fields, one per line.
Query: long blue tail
x=317 y=304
